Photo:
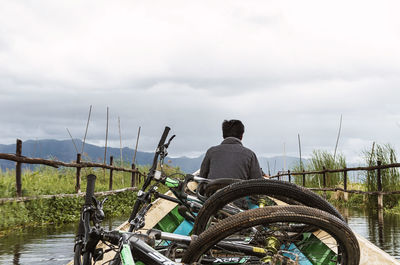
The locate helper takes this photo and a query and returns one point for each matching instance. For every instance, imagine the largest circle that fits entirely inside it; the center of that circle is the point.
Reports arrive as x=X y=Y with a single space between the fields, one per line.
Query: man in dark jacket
x=231 y=159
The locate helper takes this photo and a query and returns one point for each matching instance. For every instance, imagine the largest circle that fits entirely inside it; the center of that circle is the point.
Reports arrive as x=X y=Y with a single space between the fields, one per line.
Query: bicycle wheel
x=288 y=192
x=276 y=235
x=218 y=184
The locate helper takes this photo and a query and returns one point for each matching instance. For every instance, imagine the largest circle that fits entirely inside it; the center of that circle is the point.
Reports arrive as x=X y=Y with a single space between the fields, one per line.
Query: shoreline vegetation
x=363 y=180
x=44 y=180
x=57 y=211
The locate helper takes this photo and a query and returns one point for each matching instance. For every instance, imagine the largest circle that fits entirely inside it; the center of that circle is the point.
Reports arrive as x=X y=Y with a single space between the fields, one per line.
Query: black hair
x=232 y=128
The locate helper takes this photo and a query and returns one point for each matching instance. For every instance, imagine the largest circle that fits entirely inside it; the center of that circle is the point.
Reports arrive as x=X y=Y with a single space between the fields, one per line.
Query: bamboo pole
x=87 y=126
x=78 y=174
x=136 y=147
x=81 y=194
x=357 y=191
x=73 y=142
x=379 y=182
x=386 y=166
x=133 y=177
x=284 y=157
x=345 y=193
x=324 y=180
x=337 y=140
x=301 y=163
x=18 y=170
x=110 y=186
x=120 y=142
x=105 y=147
x=120 y=149
x=56 y=164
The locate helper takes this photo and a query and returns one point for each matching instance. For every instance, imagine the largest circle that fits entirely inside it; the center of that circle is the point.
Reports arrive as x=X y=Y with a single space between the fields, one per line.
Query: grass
x=58 y=211
x=319 y=160
x=47 y=181
x=44 y=180
x=390 y=177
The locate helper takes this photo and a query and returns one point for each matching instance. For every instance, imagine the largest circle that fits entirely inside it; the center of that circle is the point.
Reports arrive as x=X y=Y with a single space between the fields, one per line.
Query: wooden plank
x=371 y=254
x=56 y=164
x=102 y=193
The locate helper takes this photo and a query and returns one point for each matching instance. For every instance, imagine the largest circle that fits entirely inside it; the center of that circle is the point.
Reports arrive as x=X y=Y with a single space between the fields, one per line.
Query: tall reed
x=319 y=160
x=390 y=177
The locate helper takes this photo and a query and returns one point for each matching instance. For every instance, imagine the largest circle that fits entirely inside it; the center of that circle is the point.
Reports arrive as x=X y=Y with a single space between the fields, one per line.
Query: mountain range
x=63 y=150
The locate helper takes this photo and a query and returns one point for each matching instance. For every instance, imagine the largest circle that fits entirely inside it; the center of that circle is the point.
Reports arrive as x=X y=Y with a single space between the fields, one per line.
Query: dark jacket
x=230 y=159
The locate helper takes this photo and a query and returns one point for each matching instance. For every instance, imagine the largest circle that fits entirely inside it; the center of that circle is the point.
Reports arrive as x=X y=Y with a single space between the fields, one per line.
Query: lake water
x=383 y=231
x=52 y=245
x=43 y=245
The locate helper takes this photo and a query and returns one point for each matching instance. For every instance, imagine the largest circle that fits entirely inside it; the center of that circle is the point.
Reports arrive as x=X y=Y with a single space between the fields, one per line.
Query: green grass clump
x=48 y=181
x=319 y=160
x=390 y=177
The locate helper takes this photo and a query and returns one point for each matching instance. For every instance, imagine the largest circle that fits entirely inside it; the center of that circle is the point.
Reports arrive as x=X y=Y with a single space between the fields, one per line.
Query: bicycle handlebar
x=164 y=136
x=169 y=141
x=91 y=179
x=155 y=159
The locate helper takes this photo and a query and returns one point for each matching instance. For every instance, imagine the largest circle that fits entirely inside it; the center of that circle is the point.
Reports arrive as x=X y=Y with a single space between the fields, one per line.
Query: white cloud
x=283 y=67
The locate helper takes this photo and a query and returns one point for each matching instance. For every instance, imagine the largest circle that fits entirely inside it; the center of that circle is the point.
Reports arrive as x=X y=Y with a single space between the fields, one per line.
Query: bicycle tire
x=218 y=184
x=347 y=243
x=273 y=188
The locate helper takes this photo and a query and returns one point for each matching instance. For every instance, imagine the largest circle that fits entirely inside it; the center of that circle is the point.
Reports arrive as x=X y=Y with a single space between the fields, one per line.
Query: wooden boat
x=163 y=215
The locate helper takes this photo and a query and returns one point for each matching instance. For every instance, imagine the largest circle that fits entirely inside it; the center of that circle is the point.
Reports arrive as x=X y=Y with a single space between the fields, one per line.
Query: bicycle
x=191 y=202
x=259 y=246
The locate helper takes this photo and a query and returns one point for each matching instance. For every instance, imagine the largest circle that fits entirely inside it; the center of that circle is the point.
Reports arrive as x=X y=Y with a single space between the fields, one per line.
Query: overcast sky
x=283 y=67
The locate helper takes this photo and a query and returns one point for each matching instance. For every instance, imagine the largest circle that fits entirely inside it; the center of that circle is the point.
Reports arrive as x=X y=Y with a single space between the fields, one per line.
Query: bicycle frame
x=145 y=253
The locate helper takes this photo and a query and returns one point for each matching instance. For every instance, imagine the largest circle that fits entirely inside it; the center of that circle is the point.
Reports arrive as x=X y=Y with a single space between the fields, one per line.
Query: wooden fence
x=78 y=164
x=379 y=167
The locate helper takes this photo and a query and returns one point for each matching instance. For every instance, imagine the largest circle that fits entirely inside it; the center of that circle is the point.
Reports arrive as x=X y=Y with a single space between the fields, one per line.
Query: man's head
x=232 y=128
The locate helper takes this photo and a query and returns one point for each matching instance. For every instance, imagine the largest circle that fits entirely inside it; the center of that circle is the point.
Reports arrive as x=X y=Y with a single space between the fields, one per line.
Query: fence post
x=18 y=179
x=345 y=194
x=110 y=186
x=304 y=179
x=379 y=182
x=290 y=178
x=78 y=174
x=133 y=180
x=324 y=180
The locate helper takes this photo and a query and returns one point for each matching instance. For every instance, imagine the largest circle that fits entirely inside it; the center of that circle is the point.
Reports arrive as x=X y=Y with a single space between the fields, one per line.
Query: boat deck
x=370 y=254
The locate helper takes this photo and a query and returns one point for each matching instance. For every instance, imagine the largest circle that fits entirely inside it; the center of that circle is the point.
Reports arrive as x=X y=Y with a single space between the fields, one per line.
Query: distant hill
x=64 y=151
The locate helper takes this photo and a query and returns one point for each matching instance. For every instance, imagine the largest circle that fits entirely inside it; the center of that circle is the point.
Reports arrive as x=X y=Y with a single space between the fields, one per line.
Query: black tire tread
x=271 y=214
x=273 y=188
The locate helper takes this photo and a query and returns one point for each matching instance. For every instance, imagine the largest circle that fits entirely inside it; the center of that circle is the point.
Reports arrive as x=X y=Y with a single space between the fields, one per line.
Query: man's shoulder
x=228 y=148
x=214 y=148
x=248 y=151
